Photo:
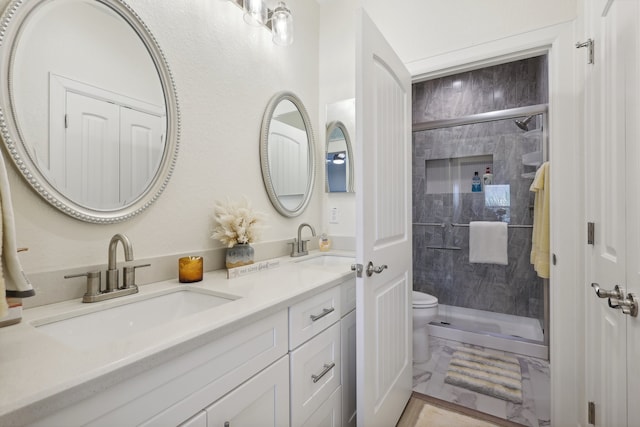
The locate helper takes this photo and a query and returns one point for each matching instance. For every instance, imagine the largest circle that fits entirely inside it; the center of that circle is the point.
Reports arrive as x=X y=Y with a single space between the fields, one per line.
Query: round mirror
x=338 y=159
x=287 y=154
x=90 y=113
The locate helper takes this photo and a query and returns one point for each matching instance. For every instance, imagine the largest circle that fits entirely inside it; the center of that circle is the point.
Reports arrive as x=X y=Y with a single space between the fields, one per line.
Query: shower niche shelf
x=531 y=161
x=454 y=175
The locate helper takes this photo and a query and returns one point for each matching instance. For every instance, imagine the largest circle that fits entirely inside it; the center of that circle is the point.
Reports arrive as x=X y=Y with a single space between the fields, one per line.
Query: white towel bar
x=509 y=226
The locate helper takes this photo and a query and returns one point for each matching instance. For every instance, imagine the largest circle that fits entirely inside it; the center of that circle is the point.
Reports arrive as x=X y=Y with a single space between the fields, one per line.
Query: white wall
x=225 y=72
x=337 y=85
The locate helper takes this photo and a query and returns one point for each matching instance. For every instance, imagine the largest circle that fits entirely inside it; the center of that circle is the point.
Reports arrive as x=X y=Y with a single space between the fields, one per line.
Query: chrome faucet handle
x=129 y=275
x=93 y=283
x=294 y=246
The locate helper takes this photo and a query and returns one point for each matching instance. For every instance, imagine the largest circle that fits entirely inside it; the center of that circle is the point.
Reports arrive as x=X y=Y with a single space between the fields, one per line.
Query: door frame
x=568 y=240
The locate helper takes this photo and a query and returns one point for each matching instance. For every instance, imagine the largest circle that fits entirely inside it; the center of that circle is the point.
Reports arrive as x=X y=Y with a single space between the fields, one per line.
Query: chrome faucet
x=299 y=246
x=112 y=270
x=112 y=289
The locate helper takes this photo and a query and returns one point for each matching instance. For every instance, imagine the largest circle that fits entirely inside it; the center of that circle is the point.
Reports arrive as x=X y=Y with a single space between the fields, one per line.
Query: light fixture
x=282 y=25
x=279 y=20
x=256 y=12
x=339 y=158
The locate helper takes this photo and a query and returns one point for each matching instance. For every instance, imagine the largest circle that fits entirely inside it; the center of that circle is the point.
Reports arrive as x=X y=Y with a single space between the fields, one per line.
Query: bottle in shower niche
x=476 y=184
x=487 y=178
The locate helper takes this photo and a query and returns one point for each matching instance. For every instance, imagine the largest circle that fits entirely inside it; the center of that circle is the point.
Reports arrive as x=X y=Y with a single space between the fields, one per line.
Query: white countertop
x=40 y=375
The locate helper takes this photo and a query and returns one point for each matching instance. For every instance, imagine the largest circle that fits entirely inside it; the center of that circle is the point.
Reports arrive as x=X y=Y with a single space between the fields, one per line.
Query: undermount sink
x=110 y=322
x=328 y=260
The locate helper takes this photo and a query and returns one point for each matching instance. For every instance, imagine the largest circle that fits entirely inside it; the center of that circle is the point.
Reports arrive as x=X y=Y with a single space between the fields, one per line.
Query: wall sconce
x=279 y=20
x=282 y=25
x=256 y=12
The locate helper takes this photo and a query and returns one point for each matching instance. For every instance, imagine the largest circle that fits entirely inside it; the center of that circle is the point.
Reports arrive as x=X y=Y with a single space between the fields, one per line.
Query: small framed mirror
x=89 y=107
x=287 y=154
x=338 y=159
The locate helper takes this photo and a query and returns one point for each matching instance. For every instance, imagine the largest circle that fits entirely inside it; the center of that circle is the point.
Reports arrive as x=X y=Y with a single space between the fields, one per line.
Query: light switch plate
x=333 y=216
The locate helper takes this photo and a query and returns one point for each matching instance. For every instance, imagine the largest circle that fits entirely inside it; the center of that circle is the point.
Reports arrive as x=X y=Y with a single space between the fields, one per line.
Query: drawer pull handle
x=325 y=311
x=326 y=369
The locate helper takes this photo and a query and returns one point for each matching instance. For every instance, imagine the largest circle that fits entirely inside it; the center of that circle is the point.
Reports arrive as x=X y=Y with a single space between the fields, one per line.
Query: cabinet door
x=329 y=414
x=315 y=373
x=261 y=401
x=348 y=374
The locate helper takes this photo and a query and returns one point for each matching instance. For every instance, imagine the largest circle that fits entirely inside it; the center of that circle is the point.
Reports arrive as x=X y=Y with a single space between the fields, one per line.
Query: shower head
x=523 y=124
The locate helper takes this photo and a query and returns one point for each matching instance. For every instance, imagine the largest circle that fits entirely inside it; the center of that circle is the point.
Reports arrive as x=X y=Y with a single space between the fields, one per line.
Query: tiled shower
x=444 y=161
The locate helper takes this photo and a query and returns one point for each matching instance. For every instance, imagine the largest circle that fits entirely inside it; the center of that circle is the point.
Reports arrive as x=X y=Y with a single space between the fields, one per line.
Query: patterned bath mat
x=491 y=374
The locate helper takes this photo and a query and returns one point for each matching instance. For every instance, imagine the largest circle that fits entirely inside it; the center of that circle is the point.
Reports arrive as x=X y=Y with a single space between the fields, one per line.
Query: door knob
x=629 y=305
x=617 y=299
x=373 y=269
x=616 y=293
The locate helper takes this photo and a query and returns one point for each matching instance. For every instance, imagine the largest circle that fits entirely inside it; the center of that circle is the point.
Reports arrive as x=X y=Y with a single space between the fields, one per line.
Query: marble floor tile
x=535 y=410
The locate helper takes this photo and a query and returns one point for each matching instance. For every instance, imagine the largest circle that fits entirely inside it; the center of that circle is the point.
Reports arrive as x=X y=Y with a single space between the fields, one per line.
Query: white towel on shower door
x=488 y=242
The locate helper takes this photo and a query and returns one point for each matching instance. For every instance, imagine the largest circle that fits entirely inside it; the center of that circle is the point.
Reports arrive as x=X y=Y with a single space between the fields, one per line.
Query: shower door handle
x=372 y=269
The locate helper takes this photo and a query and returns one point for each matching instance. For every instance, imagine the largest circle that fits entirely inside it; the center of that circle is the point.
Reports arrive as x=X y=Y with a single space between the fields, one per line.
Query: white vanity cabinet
x=348 y=349
x=317 y=357
x=177 y=391
x=314 y=343
x=294 y=367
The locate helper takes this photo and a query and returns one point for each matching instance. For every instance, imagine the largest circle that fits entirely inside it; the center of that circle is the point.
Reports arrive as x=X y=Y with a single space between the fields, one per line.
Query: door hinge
x=591 y=233
x=591 y=413
x=66 y=121
x=588 y=44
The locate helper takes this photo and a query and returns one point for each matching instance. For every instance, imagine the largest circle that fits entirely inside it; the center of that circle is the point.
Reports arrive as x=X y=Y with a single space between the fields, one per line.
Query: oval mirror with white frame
x=287 y=154
x=338 y=159
x=91 y=116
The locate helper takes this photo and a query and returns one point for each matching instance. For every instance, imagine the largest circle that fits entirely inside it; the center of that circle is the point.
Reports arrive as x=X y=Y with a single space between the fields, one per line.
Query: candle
x=190 y=269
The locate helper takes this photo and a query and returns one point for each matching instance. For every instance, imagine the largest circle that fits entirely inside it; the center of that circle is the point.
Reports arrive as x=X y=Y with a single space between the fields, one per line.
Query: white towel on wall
x=488 y=242
x=16 y=283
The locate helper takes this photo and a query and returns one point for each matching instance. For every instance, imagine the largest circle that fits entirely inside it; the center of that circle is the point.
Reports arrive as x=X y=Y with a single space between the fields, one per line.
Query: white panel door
x=142 y=137
x=612 y=193
x=383 y=231
x=91 y=152
x=288 y=154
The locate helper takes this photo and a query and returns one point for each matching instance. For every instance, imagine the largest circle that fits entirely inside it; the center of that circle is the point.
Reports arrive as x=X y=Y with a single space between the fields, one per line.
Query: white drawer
x=313 y=315
x=328 y=415
x=348 y=296
x=315 y=373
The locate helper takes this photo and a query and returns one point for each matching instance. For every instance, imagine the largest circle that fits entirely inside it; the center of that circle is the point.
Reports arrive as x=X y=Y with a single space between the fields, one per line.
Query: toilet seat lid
x=421 y=299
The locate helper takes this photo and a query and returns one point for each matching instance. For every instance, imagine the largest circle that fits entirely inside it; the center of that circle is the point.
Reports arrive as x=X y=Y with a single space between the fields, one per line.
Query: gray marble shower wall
x=447 y=273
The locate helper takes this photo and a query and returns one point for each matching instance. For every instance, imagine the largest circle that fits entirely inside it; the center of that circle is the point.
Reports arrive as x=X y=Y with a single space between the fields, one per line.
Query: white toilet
x=425 y=309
